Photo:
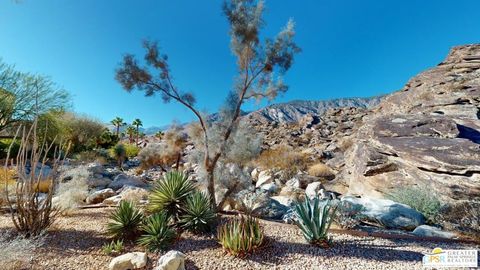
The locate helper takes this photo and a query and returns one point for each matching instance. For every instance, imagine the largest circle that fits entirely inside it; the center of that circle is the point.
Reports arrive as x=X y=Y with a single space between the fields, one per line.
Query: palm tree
x=118 y=122
x=159 y=134
x=131 y=131
x=137 y=123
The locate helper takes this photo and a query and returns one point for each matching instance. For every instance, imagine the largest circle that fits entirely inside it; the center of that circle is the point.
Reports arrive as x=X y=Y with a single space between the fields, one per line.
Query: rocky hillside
x=427 y=134
x=294 y=111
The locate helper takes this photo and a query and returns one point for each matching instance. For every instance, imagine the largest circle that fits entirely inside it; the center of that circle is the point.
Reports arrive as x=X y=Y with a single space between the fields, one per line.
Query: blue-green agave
x=314 y=218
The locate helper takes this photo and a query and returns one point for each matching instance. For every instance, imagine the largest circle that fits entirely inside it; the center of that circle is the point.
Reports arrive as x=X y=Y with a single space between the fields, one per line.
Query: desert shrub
x=71 y=194
x=99 y=156
x=16 y=253
x=348 y=215
x=241 y=236
x=7 y=179
x=283 y=158
x=463 y=217
x=198 y=213
x=170 y=194
x=131 y=150
x=119 y=153
x=125 y=221
x=157 y=154
x=423 y=200
x=34 y=212
x=314 y=218
x=5 y=144
x=157 y=235
x=107 y=139
x=114 y=247
x=321 y=170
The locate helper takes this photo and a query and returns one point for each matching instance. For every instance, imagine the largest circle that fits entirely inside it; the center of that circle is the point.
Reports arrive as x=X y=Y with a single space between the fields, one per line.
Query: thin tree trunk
x=211 y=185
x=137 y=137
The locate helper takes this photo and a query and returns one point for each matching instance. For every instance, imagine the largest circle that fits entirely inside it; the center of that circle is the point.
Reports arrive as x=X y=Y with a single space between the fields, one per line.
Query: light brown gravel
x=75 y=243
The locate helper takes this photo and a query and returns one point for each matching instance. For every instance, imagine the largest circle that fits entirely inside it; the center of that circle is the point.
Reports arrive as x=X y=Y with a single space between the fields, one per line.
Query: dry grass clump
x=17 y=253
x=71 y=194
x=7 y=179
x=320 y=170
x=283 y=158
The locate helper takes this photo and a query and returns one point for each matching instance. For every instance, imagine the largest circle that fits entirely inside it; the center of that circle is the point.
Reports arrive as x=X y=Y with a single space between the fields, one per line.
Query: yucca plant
x=157 y=234
x=241 y=236
x=170 y=194
x=198 y=213
x=314 y=219
x=125 y=221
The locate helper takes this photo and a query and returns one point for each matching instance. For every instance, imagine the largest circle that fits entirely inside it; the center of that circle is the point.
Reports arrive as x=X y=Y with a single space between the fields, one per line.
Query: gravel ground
x=75 y=243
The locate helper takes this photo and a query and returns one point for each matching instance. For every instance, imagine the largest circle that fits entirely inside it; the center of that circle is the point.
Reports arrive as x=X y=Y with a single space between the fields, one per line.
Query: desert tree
x=261 y=64
x=137 y=123
x=23 y=96
x=118 y=123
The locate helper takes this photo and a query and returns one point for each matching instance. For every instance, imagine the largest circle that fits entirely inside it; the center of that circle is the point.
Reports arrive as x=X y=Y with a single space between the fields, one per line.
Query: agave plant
x=314 y=219
x=241 y=236
x=125 y=221
x=170 y=194
x=198 y=213
x=157 y=234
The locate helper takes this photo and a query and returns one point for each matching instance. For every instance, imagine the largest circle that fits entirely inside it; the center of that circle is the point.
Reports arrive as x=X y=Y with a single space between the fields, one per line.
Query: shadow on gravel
x=274 y=253
x=73 y=242
x=186 y=244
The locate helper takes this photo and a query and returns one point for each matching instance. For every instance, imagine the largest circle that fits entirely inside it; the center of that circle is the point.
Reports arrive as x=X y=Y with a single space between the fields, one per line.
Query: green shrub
x=199 y=214
x=423 y=200
x=157 y=234
x=241 y=236
x=314 y=219
x=125 y=221
x=170 y=194
x=114 y=247
x=5 y=144
x=131 y=150
x=119 y=153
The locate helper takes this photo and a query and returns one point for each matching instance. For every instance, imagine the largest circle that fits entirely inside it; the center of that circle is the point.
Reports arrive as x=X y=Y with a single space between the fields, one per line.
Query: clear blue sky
x=350 y=48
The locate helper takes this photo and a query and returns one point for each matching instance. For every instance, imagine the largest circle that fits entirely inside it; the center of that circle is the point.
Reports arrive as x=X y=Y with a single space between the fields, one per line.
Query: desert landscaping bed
x=75 y=242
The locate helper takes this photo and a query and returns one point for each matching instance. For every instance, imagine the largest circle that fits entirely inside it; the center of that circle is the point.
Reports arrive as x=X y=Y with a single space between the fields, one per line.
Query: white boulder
x=173 y=260
x=133 y=260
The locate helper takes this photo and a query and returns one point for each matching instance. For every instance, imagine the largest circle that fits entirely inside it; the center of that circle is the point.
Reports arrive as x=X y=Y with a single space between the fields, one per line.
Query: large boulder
x=172 y=260
x=100 y=195
x=122 y=180
x=387 y=213
x=133 y=260
x=430 y=231
x=427 y=134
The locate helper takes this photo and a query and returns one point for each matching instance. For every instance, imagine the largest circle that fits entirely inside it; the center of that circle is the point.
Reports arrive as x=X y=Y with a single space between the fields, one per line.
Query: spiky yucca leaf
x=241 y=236
x=170 y=193
x=198 y=213
x=125 y=221
x=314 y=219
x=157 y=234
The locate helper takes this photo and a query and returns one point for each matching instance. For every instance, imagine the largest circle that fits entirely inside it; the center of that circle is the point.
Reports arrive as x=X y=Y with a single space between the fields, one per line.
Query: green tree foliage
x=260 y=67
x=131 y=132
x=118 y=123
x=137 y=123
x=24 y=96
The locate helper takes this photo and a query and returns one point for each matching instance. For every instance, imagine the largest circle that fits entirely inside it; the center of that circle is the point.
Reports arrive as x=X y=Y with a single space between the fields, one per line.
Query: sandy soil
x=75 y=243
